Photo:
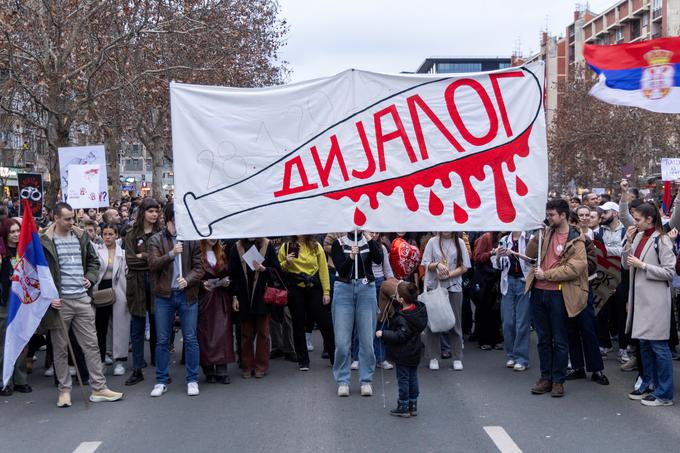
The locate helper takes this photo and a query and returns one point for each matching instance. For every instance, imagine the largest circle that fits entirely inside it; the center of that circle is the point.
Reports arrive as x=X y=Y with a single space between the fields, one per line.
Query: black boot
x=413 y=408
x=401 y=409
x=135 y=378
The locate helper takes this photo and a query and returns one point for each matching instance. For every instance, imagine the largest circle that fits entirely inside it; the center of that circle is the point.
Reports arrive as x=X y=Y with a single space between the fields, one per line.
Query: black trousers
x=583 y=340
x=306 y=305
x=102 y=315
x=612 y=319
x=407 y=380
x=488 y=317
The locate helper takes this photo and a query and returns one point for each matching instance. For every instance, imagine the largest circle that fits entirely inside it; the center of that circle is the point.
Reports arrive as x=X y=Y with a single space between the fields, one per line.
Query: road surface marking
x=87 y=447
x=502 y=439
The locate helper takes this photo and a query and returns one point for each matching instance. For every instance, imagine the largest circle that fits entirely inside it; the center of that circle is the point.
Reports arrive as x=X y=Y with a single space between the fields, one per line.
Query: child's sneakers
x=401 y=409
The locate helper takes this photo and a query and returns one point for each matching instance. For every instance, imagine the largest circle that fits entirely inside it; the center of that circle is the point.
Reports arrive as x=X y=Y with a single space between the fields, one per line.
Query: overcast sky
x=329 y=36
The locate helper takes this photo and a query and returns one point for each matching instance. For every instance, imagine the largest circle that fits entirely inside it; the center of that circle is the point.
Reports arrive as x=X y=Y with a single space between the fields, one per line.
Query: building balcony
x=657 y=14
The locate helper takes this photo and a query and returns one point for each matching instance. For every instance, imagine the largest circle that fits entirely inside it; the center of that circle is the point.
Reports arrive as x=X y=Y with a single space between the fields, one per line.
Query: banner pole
x=540 y=246
x=356 y=257
x=73 y=357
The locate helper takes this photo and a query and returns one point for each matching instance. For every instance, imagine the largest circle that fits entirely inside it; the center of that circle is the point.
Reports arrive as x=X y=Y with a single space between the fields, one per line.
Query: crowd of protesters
x=125 y=281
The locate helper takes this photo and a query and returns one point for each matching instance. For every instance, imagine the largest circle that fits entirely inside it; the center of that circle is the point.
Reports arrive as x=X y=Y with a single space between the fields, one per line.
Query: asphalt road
x=292 y=411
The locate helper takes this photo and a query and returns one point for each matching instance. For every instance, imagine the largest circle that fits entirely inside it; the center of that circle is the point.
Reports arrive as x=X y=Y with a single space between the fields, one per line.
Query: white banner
x=83 y=186
x=670 y=169
x=361 y=150
x=84 y=155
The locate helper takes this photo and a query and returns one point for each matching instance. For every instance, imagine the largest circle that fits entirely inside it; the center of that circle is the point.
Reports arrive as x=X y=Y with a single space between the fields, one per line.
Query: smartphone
x=294 y=248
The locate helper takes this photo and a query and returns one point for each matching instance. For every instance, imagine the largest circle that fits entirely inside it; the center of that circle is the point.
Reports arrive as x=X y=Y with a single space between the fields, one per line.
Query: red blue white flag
x=32 y=292
x=644 y=74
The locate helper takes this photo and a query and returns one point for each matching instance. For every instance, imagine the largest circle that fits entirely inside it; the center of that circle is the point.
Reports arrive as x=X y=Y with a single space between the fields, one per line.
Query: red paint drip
x=521 y=188
x=359 y=217
x=460 y=215
x=436 y=206
x=466 y=168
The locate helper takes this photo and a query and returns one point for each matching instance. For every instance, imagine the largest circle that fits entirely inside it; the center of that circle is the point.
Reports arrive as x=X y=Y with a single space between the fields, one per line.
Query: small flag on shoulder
x=32 y=292
x=643 y=74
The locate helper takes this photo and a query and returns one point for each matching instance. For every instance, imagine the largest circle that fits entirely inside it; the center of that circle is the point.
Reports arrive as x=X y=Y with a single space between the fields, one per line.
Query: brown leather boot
x=542 y=386
x=557 y=390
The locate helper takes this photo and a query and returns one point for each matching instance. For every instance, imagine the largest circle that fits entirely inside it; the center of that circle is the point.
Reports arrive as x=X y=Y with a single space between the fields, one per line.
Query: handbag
x=440 y=317
x=276 y=296
x=103 y=297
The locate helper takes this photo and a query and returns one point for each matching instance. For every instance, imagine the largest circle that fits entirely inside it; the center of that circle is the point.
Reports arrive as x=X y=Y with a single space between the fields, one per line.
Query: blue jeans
x=658 y=368
x=354 y=307
x=407 y=379
x=550 y=318
x=165 y=310
x=378 y=345
x=516 y=315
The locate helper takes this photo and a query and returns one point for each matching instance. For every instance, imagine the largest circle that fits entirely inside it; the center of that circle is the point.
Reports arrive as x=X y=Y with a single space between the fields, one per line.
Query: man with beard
x=612 y=234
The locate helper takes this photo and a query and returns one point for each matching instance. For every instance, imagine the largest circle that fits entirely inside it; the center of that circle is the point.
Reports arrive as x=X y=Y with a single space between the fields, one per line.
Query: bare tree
x=590 y=142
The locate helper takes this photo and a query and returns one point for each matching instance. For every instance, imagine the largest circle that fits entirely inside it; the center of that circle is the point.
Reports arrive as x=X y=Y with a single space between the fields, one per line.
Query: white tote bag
x=440 y=317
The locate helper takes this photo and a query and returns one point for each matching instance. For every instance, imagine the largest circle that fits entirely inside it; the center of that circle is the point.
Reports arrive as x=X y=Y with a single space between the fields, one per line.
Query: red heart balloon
x=404 y=258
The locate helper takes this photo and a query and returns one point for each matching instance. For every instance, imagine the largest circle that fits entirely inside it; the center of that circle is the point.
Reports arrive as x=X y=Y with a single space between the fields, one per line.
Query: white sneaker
x=366 y=390
x=159 y=389
x=49 y=372
x=623 y=356
x=310 y=346
x=355 y=365
x=510 y=363
x=385 y=365
x=72 y=370
x=192 y=388
x=343 y=390
x=119 y=369
x=457 y=365
x=434 y=364
x=108 y=360
x=147 y=335
x=519 y=367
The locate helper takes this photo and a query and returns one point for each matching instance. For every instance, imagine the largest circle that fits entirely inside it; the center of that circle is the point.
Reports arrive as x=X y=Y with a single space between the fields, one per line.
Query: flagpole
x=73 y=357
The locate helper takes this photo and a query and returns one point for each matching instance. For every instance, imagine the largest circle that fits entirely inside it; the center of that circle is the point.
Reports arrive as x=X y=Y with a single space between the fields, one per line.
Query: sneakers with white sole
x=355 y=365
x=519 y=367
x=64 y=399
x=458 y=365
x=310 y=346
x=72 y=370
x=366 y=390
x=159 y=389
x=108 y=360
x=385 y=365
x=49 y=372
x=105 y=395
x=652 y=401
x=343 y=390
x=192 y=388
x=510 y=363
x=119 y=369
x=434 y=364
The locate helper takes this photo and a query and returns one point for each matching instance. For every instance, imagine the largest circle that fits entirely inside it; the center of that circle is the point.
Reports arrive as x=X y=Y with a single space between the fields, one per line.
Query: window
x=634 y=29
x=133 y=164
x=619 y=34
x=504 y=65
x=458 y=67
x=136 y=150
x=656 y=8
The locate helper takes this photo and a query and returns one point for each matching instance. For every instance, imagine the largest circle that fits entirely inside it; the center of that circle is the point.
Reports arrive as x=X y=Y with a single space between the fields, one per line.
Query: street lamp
x=4 y=176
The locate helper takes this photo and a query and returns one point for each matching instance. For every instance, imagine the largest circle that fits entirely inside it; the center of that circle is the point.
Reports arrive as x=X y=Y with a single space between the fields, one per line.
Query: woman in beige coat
x=648 y=254
x=112 y=270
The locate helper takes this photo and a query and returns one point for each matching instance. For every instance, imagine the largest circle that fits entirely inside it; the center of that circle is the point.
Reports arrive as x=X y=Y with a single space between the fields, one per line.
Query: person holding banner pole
x=354 y=306
x=559 y=290
x=176 y=272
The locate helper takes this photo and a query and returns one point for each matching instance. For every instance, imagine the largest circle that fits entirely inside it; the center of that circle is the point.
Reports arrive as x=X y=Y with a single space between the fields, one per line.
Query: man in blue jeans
x=175 y=286
x=559 y=290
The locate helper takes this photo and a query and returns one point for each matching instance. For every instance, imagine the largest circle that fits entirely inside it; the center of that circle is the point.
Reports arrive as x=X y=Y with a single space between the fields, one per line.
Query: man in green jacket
x=74 y=265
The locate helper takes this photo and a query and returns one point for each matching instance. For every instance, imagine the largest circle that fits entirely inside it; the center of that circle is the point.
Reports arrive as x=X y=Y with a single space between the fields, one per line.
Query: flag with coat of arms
x=32 y=292
x=643 y=74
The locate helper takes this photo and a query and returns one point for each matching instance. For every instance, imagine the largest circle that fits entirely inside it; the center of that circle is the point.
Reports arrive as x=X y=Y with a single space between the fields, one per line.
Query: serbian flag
x=644 y=74
x=32 y=292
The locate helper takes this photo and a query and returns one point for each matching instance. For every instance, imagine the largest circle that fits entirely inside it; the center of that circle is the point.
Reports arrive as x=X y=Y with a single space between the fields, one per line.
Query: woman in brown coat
x=215 y=333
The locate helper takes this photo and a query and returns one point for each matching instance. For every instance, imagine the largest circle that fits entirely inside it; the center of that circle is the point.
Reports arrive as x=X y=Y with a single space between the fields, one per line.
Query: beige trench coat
x=649 y=295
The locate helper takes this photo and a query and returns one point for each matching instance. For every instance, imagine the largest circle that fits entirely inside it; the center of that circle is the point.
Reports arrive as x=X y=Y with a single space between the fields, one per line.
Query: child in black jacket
x=405 y=346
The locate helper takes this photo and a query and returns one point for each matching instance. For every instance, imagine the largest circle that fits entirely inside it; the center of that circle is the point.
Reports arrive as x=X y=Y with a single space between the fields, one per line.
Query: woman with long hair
x=304 y=261
x=112 y=271
x=248 y=284
x=138 y=290
x=215 y=332
x=648 y=254
x=446 y=260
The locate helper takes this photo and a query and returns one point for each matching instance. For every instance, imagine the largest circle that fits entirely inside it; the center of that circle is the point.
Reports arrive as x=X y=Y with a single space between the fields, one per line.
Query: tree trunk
x=112 y=145
x=58 y=137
